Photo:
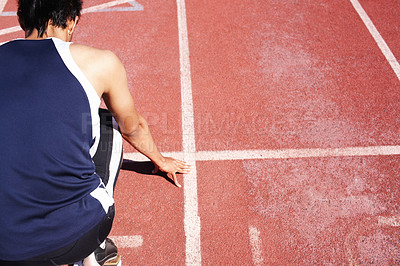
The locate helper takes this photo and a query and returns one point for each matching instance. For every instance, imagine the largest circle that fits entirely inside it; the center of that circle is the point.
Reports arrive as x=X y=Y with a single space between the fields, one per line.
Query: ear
x=71 y=24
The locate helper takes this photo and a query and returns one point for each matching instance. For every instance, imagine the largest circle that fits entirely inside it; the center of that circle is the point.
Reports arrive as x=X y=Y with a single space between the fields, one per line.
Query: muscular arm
x=133 y=126
x=107 y=74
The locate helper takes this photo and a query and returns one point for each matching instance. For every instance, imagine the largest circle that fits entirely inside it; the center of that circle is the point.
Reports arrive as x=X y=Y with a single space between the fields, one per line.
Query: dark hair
x=36 y=14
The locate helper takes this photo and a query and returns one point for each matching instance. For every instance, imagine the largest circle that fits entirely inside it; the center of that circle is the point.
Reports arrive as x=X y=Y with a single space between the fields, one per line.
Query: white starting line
x=228 y=155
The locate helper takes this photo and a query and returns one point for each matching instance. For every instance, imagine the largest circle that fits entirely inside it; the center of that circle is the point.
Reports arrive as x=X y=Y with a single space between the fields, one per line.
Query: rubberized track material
x=288 y=112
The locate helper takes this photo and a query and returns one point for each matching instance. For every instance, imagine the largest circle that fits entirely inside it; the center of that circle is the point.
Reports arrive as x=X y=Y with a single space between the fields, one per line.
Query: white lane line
x=10 y=30
x=278 y=154
x=2 y=5
x=256 y=246
x=8 y=14
x=296 y=153
x=191 y=216
x=127 y=241
x=134 y=6
x=393 y=221
x=86 y=10
x=378 y=38
x=104 y=6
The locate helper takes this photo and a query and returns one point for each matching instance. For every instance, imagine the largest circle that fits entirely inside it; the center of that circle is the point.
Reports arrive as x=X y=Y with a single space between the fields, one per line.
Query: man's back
x=45 y=151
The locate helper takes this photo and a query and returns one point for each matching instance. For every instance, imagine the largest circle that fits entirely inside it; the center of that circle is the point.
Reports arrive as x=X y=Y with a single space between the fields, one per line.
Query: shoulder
x=100 y=66
x=93 y=55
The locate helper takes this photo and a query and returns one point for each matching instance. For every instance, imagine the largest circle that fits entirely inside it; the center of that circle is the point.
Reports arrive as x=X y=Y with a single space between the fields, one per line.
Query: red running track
x=267 y=76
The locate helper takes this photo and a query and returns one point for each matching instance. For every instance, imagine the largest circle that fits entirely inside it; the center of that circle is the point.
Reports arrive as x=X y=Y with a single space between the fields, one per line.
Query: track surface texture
x=288 y=112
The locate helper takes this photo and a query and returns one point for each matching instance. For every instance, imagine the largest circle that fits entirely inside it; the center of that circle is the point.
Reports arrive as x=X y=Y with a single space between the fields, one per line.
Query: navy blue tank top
x=50 y=194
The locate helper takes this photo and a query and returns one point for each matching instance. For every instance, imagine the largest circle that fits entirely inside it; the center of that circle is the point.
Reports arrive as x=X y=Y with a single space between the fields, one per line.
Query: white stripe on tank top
x=94 y=100
x=100 y=193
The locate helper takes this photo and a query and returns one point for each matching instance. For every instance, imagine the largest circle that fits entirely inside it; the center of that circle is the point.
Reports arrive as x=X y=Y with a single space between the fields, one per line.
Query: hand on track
x=172 y=166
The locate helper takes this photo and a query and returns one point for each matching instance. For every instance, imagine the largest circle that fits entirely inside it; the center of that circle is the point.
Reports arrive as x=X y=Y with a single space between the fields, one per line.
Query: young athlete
x=60 y=153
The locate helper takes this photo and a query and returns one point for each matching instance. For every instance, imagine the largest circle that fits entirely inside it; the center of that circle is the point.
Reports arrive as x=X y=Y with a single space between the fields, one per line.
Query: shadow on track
x=145 y=168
